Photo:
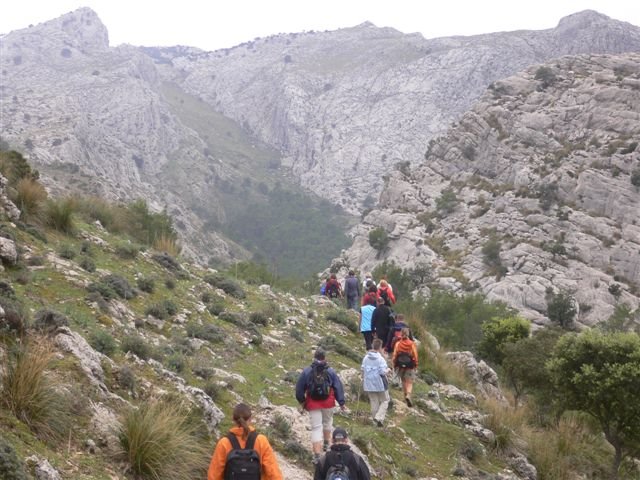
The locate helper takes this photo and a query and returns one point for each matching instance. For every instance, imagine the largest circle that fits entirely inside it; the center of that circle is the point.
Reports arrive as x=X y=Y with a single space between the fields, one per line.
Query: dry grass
x=110 y=216
x=28 y=394
x=159 y=443
x=167 y=244
x=30 y=197
x=58 y=214
x=506 y=422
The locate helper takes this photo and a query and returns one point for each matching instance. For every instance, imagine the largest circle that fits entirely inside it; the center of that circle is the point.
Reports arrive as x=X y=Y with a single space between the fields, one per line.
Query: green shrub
x=127 y=250
x=67 y=251
x=561 y=309
x=378 y=238
x=136 y=345
x=146 y=284
x=342 y=317
x=103 y=342
x=16 y=317
x=447 y=202
x=87 y=264
x=104 y=290
x=120 y=286
x=497 y=333
x=635 y=177
x=28 y=393
x=170 y=283
x=547 y=195
x=176 y=362
x=126 y=378
x=159 y=441
x=168 y=262
x=259 y=318
x=282 y=426
x=546 y=77
x=58 y=215
x=206 y=297
x=331 y=343
x=11 y=467
x=297 y=335
x=216 y=308
x=209 y=332
x=48 y=321
x=35 y=261
x=213 y=390
x=227 y=285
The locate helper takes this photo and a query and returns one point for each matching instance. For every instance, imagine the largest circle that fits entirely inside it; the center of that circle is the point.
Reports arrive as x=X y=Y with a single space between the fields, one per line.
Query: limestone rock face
x=547 y=164
x=340 y=107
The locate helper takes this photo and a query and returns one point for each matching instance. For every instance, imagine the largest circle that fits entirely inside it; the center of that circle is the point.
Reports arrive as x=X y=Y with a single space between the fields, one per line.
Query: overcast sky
x=213 y=24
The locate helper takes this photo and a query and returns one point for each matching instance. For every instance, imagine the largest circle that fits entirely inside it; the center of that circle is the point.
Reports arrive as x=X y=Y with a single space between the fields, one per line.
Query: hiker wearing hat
x=340 y=461
x=317 y=390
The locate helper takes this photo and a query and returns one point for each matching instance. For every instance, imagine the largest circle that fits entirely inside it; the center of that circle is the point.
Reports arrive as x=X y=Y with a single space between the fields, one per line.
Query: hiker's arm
x=363 y=470
x=218 y=460
x=415 y=353
x=338 y=389
x=301 y=387
x=269 y=461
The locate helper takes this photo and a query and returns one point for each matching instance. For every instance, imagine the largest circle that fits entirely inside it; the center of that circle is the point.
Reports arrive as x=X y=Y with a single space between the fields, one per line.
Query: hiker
x=332 y=289
x=323 y=287
x=317 y=390
x=395 y=333
x=229 y=456
x=371 y=294
x=405 y=362
x=366 y=328
x=341 y=461
x=374 y=378
x=382 y=321
x=386 y=292
x=368 y=281
x=352 y=290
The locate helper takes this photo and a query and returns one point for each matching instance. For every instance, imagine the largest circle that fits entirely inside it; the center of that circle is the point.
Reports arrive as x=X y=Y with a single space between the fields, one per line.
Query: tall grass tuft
x=58 y=214
x=30 y=197
x=159 y=442
x=507 y=424
x=110 y=216
x=167 y=244
x=28 y=394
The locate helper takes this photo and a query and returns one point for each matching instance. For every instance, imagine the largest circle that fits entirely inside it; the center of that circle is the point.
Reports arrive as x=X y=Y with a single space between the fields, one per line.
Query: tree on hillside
x=378 y=238
x=561 y=309
x=497 y=333
x=599 y=374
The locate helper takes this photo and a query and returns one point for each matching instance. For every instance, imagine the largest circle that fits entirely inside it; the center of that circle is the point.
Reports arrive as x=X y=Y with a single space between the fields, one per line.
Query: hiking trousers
x=379 y=404
x=321 y=421
x=353 y=303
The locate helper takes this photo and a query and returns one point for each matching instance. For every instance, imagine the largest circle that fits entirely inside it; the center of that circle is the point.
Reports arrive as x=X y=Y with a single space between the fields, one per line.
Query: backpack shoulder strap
x=235 y=445
x=251 y=440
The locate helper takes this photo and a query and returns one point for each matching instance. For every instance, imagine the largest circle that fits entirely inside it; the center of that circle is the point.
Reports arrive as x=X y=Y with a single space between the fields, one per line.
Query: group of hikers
x=244 y=454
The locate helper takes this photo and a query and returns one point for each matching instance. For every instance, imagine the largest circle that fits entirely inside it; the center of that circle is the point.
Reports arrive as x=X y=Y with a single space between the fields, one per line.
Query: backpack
x=332 y=290
x=384 y=295
x=242 y=463
x=319 y=385
x=404 y=360
x=339 y=471
x=397 y=335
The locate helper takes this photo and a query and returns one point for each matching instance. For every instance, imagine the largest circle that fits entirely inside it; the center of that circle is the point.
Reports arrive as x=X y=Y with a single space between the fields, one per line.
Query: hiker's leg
x=375 y=403
x=316 y=430
x=384 y=398
x=327 y=423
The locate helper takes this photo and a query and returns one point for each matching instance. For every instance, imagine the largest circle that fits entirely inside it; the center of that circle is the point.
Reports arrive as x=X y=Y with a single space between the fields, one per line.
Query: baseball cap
x=339 y=434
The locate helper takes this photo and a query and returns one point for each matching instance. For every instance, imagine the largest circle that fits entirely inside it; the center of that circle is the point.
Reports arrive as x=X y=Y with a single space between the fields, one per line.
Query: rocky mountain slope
x=345 y=106
x=135 y=332
x=534 y=191
x=204 y=134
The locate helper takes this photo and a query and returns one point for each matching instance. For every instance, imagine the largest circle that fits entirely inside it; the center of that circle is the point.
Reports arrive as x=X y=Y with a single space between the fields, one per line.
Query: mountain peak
x=582 y=19
x=83 y=26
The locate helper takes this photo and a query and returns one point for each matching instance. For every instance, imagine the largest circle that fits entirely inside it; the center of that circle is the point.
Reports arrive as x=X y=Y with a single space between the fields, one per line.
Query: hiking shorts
x=321 y=421
x=406 y=373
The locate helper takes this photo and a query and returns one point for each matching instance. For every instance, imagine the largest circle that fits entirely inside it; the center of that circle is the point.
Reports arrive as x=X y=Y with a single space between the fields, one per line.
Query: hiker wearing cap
x=374 y=379
x=242 y=436
x=382 y=321
x=341 y=461
x=317 y=390
x=352 y=291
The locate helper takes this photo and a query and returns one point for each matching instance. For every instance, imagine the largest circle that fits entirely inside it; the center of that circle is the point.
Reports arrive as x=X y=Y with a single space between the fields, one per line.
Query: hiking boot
x=408 y=400
x=325 y=445
x=390 y=405
x=316 y=458
x=379 y=423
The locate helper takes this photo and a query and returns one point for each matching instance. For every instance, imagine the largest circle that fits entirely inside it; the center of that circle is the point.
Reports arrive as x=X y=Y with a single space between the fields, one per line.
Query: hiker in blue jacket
x=317 y=390
x=352 y=291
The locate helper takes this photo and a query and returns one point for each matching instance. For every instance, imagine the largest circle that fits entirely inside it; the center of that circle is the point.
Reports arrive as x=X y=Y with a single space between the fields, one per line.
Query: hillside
x=534 y=192
x=207 y=136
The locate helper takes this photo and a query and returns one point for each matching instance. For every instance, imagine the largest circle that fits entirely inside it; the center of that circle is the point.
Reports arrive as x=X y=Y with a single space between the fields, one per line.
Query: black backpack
x=338 y=471
x=242 y=463
x=405 y=360
x=319 y=384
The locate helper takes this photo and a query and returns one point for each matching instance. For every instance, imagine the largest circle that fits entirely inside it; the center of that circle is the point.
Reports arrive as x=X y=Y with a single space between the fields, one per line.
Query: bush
x=331 y=343
x=30 y=197
x=67 y=251
x=136 y=345
x=87 y=264
x=126 y=378
x=159 y=441
x=103 y=342
x=447 y=202
x=378 y=238
x=16 y=319
x=561 y=309
x=259 y=318
x=635 y=177
x=282 y=426
x=170 y=283
x=176 y=362
x=213 y=390
x=120 y=286
x=209 y=332
x=29 y=395
x=59 y=215
x=227 y=285
x=11 y=467
x=546 y=77
x=146 y=284
x=127 y=250
x=48 y=321
x=497 y=333
x=216 y=308
x=167 y=261
x=343 y=317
